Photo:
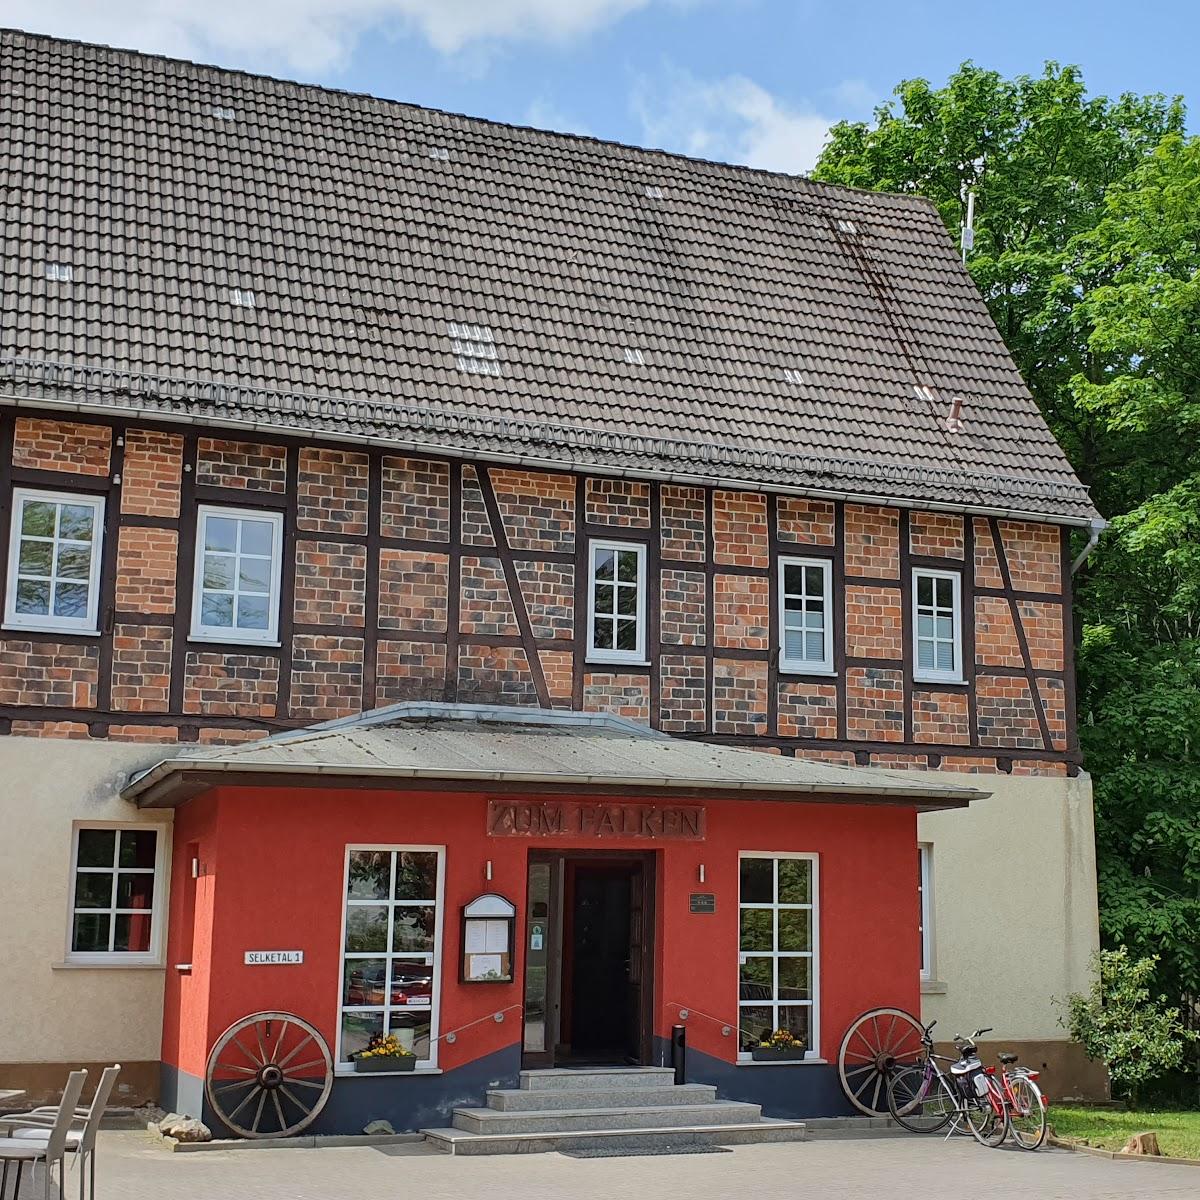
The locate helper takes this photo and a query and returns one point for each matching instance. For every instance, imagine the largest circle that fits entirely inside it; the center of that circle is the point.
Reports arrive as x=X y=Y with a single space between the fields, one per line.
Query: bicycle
x=923 y=1099
x=1024 y=1100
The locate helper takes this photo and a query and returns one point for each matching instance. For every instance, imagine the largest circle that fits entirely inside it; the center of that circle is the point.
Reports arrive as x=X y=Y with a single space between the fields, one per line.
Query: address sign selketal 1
x=578 y=819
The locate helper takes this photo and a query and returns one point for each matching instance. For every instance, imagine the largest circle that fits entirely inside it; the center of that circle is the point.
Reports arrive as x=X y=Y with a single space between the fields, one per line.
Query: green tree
x=1040 y=156
x=1087 y=252
x=1140 y=660
x=1138 y=1036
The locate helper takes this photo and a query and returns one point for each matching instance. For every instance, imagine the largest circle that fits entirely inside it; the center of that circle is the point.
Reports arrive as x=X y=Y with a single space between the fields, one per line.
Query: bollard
x=679 y=1052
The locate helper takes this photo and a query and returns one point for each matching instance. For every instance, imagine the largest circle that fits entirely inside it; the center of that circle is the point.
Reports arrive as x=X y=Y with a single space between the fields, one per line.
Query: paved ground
x=133 y=1167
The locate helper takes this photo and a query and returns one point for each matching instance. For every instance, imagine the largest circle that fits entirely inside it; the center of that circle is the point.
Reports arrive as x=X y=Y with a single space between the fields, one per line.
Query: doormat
x=641 y=1152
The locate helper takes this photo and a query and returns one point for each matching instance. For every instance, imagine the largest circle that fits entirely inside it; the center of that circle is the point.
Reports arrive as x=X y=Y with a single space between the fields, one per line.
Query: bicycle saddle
x=1007 y=1059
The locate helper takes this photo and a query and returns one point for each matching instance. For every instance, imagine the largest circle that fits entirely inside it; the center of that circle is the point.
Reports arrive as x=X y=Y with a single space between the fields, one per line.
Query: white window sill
x=793 y=669
x=933 y=987
x=232 y=640
x=344 y=1072
x=97 y=965
x=792 y=1062
x=48 y=628
x=941 y=680
x=617 y=662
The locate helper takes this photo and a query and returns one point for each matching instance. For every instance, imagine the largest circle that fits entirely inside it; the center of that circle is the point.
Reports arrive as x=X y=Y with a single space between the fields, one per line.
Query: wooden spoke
x=262 y=1099
x=283 y=1062
x=279 y=1040
x=283 y=1087
x=273 y=1076
x=868 y=1054
x=245 y=1100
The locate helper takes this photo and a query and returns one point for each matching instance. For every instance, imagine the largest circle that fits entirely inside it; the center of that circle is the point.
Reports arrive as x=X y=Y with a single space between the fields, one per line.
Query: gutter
x=1097 y=525
x=138 y=788
x=536 y=462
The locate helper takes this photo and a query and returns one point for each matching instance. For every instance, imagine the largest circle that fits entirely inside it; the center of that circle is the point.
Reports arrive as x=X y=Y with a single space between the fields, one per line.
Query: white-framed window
x=778 y=955
x=616 y=602
x=235 y=591
x=117 y=894
x=391 y=949
x=805 y=615
x=937 y=626
x=54 y=561
x=925 y=907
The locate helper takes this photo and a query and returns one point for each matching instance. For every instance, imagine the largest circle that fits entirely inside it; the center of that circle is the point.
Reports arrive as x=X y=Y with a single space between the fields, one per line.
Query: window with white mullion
x=391 y=943
x=54 y=561
x=805 y=615
x=236 y=590
x=937 y=632
x=778 y=939
x=617 y=602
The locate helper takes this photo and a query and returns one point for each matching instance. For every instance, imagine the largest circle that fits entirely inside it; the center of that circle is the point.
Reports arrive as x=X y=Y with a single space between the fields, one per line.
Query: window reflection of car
x=411 y=988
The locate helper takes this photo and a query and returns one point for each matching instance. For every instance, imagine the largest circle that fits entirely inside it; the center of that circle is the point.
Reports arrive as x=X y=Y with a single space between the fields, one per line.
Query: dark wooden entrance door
x=588 y=959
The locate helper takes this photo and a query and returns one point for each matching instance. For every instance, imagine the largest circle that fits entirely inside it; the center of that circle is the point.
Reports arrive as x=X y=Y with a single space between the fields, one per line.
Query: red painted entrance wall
x=272 y=863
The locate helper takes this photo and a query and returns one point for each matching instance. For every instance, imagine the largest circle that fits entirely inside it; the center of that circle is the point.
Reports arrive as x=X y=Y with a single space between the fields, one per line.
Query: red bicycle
x=1024 y=1100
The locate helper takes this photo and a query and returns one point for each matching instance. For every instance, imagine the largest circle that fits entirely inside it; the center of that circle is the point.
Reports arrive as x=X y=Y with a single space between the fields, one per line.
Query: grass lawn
x=1178 y=1132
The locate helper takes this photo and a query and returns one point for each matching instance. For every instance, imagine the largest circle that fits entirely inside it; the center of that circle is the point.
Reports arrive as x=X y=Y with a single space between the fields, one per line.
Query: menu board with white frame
x=488 y=925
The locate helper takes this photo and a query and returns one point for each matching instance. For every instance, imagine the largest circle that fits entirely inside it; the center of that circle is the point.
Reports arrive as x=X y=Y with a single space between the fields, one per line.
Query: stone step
x=489 y=1120
x=603 y=1078
x=459 y=1141
x=516 y=1100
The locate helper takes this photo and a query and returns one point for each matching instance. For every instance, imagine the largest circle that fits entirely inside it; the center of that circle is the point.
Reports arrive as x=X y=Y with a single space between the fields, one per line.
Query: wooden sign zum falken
x=655 y=822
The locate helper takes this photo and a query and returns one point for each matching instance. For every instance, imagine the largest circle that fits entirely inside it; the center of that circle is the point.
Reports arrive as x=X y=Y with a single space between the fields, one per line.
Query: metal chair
x=81 y=1141
x=49 y=1150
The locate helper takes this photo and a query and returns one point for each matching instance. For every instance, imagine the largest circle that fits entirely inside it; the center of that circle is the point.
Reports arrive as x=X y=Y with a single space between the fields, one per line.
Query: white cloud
x=308 y=35
x=731 y=119
x=545 y=114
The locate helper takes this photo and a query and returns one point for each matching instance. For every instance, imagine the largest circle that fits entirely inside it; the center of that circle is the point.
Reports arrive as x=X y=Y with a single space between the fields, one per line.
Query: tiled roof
x=245 y=250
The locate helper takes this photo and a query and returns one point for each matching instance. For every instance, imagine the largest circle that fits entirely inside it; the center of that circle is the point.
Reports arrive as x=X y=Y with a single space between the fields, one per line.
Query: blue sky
x=753 y=81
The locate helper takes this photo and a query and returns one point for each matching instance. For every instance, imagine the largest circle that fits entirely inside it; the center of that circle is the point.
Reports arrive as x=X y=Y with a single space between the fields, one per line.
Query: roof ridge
x=817 y=185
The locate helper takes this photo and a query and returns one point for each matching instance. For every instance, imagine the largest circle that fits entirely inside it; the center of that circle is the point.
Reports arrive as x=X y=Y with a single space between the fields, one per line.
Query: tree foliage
x=1140 y=1037
x=1087 y=252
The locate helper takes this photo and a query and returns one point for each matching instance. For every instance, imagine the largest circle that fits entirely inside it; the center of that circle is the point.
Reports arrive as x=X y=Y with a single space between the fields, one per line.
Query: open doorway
x=588 y=959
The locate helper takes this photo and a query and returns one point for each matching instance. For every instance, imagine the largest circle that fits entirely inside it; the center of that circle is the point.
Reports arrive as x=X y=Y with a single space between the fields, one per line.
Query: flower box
x=386 y=1062
x=777 y=1054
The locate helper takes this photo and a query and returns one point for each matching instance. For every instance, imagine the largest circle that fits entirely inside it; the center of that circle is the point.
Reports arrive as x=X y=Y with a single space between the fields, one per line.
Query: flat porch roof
x=530 y=750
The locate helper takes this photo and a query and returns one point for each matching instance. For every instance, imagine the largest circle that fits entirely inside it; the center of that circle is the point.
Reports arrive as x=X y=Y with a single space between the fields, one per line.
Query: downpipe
x=1096 y=527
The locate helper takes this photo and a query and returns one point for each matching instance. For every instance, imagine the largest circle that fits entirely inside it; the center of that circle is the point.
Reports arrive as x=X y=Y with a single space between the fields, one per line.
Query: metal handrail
x=685 y=1011
x=451 y=1035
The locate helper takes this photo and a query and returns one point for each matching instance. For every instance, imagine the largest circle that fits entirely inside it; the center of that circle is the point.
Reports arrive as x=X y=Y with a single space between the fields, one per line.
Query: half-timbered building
x=403 y=512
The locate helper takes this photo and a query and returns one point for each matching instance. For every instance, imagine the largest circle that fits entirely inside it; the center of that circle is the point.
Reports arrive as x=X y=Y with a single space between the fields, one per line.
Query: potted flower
x=385 y=1053
x=781 y=1046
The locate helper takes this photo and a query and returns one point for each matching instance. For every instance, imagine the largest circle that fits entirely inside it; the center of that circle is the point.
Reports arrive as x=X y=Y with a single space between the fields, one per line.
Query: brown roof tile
x=784 y=325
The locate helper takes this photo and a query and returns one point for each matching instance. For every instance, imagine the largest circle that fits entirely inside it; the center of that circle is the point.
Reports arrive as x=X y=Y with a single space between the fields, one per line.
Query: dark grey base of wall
x=42 y=1082
x=1066 y=1071
x=408 y=1102
x=791 y=1090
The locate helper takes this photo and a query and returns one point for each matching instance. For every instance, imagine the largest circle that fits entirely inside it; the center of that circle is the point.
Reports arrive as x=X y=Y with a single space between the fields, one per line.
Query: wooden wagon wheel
x=269 y=1075
x=875 y=1042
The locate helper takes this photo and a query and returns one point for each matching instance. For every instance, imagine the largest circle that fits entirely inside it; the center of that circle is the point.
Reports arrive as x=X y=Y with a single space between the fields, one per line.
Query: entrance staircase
x=634 y=1109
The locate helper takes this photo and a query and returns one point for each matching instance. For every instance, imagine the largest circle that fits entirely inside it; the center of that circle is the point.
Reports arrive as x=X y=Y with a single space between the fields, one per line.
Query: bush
x=1119 y=1023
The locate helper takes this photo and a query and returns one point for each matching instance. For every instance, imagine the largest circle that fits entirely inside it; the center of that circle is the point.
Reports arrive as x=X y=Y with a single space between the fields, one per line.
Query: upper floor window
x=617 y=602
x=54 y=561
x=116 y=895
x=236 y=590
x=805 y=615
x=937 y=626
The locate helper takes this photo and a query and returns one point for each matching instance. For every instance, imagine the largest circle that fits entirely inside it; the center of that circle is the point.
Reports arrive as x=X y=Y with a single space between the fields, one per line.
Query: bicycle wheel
x=1027 y=1114
x=987 y=1116
x=919 y=1103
